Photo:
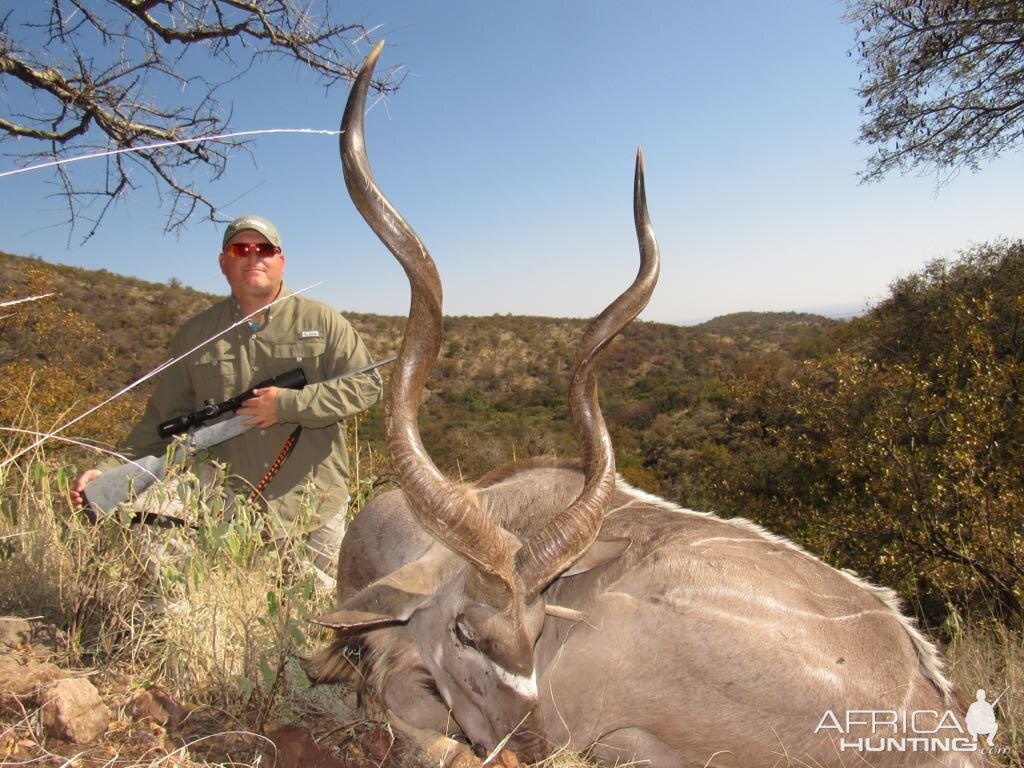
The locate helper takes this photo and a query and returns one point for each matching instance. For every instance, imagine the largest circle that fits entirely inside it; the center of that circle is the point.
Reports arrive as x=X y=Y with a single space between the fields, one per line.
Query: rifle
x=115 y=486
x=293 y=379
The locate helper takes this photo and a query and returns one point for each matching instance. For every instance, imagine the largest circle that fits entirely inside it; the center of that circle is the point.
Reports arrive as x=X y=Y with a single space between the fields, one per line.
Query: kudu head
x=474 y=601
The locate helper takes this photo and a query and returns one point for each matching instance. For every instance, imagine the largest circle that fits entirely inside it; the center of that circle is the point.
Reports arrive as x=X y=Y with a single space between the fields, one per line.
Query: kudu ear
x=601 y=552
x=393 y=598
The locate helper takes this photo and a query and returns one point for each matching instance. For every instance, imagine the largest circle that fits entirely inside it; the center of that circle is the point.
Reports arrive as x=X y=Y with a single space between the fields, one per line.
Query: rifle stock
x=115 y=486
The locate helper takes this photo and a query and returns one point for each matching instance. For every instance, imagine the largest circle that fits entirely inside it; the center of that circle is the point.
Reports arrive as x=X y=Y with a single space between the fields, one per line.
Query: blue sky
x=510 y=148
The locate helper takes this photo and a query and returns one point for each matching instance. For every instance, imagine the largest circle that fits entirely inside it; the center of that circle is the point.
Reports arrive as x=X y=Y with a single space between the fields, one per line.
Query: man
x=296 y=332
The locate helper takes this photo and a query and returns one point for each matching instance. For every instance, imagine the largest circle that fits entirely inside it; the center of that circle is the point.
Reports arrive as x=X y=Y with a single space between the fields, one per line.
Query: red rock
x=377 y=743
x=296 y=749
x=22 y=679
x=506 y=759
x=73 y=710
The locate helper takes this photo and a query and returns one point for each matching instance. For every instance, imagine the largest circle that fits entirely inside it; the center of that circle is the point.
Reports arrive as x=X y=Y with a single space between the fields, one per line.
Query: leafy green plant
x=898 y=453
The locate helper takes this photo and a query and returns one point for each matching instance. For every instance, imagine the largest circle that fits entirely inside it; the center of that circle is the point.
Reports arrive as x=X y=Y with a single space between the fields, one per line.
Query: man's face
x=252 y=276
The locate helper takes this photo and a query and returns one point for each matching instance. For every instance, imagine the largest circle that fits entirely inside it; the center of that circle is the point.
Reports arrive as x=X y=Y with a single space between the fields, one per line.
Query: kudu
x=560 y=606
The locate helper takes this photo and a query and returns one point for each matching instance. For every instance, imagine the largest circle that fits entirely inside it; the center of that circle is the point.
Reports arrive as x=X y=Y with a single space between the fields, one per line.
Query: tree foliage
x=891 y=444
x=53 y=362
x=943 y=81
x=899 y=453
x=83 y=76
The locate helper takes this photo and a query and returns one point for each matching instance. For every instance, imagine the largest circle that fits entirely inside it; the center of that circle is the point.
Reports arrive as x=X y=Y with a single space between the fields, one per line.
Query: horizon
x=829 y=312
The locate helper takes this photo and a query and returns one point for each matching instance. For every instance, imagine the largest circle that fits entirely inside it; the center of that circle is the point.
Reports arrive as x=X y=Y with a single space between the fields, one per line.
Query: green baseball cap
x=254 y=223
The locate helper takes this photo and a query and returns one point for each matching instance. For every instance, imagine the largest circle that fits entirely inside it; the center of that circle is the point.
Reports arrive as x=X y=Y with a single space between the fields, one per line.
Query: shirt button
x=263 y=431
x=266 y=464
x=255 y=367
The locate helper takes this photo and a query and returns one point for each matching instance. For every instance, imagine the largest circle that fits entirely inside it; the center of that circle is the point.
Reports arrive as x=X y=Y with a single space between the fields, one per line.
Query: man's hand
x=83 y=480
x=261 y=408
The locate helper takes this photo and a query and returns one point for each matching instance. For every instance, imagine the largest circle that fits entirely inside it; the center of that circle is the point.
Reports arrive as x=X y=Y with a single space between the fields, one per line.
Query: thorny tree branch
x=88 y=73
x=942 y=85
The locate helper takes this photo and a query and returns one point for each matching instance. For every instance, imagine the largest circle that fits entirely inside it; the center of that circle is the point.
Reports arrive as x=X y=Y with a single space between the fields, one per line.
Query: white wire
x=161 y=144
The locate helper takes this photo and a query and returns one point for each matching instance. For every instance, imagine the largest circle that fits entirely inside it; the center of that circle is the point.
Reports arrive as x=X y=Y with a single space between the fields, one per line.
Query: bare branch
x=82 y=76
x=943 y=82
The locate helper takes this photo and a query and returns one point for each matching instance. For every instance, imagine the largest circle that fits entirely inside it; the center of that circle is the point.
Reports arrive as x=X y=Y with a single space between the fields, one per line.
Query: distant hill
x=767 y=329
x=757 y=321
x=891 y=443
x=499 y=387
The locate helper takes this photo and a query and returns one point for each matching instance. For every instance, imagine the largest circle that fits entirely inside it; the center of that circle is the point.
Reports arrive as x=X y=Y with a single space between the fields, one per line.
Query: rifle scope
x=293 y=379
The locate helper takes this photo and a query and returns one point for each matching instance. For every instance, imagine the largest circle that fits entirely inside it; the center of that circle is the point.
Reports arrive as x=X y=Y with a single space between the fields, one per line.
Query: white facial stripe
x=521 y=684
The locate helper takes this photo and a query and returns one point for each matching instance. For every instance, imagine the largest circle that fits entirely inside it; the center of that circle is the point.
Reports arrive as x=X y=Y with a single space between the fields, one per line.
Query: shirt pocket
x=215 y=376
x=306 y=354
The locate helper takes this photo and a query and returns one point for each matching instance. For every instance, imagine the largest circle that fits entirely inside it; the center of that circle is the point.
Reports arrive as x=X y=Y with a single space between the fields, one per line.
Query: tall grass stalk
x=210 y=613
x=217 y=620
x=990 y=656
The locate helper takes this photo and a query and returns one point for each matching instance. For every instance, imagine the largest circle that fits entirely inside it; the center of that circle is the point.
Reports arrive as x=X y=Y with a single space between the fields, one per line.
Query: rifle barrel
x=116 y=485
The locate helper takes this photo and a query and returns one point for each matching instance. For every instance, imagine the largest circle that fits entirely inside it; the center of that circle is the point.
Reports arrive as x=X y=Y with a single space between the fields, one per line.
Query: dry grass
x=221 y=627
x=992 y=657
x=215 y=625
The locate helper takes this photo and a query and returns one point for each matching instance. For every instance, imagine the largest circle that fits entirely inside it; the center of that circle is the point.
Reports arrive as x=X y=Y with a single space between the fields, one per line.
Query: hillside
x=528 y=349
x=890 y=444
x=497 y=391
x=837 y=434
x=765 y=329
x=136 y=319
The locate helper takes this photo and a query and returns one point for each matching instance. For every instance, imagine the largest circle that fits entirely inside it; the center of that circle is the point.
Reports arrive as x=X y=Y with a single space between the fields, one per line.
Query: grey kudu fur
x=558 y=606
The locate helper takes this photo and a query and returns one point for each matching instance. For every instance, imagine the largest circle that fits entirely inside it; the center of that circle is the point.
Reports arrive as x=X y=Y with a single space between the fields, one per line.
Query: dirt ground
x=51 y=715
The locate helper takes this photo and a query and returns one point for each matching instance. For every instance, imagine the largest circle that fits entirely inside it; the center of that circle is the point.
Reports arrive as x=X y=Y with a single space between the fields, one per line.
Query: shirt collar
x=236 y=308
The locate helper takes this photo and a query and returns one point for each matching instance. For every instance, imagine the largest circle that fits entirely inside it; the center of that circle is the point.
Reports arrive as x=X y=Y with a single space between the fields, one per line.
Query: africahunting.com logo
x=880 y=730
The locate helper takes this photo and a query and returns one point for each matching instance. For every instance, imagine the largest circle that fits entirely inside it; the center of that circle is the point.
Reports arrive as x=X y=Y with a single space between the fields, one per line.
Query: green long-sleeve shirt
x=297 y=332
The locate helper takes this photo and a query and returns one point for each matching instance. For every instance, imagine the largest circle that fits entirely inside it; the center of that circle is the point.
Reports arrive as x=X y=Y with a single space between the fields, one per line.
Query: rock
x=14 y=633
x=10 y=668
x=503 y=759
x=73 y=710
x=22 y=679
x=463 y=760
x=506 y=759
x=377 y=743
x=296 y=749
x=160 y=707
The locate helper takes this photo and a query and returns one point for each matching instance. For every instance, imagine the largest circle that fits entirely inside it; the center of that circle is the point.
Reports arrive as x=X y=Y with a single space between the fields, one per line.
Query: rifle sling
x=282 y=456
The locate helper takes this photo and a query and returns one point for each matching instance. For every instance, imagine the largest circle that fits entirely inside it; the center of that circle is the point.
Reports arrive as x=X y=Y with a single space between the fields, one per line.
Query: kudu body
x=556 y=604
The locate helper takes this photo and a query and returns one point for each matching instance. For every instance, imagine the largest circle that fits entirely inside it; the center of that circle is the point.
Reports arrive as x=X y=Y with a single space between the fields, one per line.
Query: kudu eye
x=463 y=633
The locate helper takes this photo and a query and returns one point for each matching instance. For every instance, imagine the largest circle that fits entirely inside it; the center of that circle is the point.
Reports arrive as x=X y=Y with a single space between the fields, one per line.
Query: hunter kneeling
x=292 y=439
